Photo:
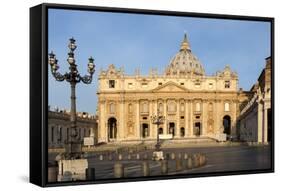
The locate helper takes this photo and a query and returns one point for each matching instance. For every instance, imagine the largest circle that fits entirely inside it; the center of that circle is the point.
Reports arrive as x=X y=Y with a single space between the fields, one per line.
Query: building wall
x=126 y=101
x=255 y=118
x=59 y=127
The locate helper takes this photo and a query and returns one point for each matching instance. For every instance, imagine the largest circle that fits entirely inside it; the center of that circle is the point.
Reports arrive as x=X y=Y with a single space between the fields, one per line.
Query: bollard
x=167 y=156
x=118 y=170
x=138 y=156
x=202 y=160
x=164 y=167
x=67 y=176
x=145 y=168
x=178 y=164
x=195 y=161
x=145 y=156
x=101 y=157
x=172 y=156
x=120 y=156
x=129 y=157
x=185 y=156
x=189 y=163
x=53 y=173
x=90 y=174
x=179 y=156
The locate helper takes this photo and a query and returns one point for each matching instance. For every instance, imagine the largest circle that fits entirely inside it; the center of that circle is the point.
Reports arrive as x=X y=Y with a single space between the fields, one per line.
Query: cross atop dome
x=185 y=44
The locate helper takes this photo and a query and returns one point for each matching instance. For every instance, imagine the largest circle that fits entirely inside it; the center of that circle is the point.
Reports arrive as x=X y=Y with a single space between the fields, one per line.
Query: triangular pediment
x=170 y=87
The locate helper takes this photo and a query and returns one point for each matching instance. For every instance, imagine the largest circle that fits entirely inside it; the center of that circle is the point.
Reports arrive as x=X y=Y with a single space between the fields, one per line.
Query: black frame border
x=39 y=90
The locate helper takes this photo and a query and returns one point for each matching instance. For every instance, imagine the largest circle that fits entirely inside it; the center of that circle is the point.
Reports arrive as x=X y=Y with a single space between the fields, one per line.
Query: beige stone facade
x=194 y=104
x=255 y=121
x=59 y=127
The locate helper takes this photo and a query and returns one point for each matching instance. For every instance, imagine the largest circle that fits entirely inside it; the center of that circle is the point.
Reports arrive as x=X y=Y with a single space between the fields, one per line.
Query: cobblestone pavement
x=219 y=159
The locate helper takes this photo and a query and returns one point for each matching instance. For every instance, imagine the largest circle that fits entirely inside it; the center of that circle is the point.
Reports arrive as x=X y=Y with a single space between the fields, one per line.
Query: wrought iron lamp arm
x=58 y=76
x=87 y=79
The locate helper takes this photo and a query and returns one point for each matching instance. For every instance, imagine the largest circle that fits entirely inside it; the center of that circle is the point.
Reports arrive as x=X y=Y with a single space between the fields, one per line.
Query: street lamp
x=157 y=120
x=73 y=146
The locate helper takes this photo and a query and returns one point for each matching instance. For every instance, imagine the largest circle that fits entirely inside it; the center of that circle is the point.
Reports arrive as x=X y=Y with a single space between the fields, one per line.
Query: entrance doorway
x=160 y=131
x=182 y=132
x=145 y=130
x=227 y=125
x=112 y=128
x=197 y=129
x=172 y=128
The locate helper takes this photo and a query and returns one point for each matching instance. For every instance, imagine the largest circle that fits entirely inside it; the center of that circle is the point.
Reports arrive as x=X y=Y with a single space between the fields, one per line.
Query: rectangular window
x=182 y=84
x=160 y=83
x=197 y=107
x=52 y=134
x=182 y=117
x=144 y=85
x=197 y=84
x=227 y=84
x=111 y=83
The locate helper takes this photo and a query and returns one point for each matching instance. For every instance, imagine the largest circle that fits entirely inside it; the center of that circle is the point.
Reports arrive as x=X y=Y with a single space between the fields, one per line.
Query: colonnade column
x=265 y=125
x=260 y=123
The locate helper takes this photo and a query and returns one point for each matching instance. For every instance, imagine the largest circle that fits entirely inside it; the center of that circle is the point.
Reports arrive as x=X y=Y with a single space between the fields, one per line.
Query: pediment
x=170 y=87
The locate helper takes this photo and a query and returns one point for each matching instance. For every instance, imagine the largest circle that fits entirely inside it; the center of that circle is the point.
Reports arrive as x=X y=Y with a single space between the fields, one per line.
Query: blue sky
x=146 y=41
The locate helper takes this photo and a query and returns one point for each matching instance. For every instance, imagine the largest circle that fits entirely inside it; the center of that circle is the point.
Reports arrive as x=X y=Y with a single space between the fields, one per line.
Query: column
x=121 y=120
x=102 y=123
x=186 y=118
x=204 y=118
x=217 y=124
x=177 y=133
x=233 y=107
x=260 y=123
x=191 y=117
x=265 y=125
x=166 y=117
x=155 y=105
x=137 y=126
x=151 y=112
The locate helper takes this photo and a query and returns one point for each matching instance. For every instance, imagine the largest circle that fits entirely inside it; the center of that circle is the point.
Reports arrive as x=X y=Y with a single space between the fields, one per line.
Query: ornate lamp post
x=73 y=146
x=157 y=120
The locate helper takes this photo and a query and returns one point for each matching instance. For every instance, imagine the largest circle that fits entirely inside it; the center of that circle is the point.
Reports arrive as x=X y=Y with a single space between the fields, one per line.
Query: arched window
x=112 y=108
x=226 y=106
x=197 y=107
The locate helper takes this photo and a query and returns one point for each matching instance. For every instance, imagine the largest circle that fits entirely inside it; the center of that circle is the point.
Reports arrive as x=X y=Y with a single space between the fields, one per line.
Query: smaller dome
x=184 y=61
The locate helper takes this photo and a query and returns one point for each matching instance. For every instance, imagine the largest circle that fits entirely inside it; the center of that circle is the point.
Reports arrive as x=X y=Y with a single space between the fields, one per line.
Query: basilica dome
x=184 y=62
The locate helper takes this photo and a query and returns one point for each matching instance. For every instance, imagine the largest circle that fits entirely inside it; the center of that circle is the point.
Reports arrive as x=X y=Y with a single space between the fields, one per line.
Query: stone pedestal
x=158 y=155
x=71 y=170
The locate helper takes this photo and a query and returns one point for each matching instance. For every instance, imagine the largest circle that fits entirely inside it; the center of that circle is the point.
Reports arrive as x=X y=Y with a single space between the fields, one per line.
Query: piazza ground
x=219 y=159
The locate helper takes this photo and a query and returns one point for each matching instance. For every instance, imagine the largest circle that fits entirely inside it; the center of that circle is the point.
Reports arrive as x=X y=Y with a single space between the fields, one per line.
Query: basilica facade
x=194 y=104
